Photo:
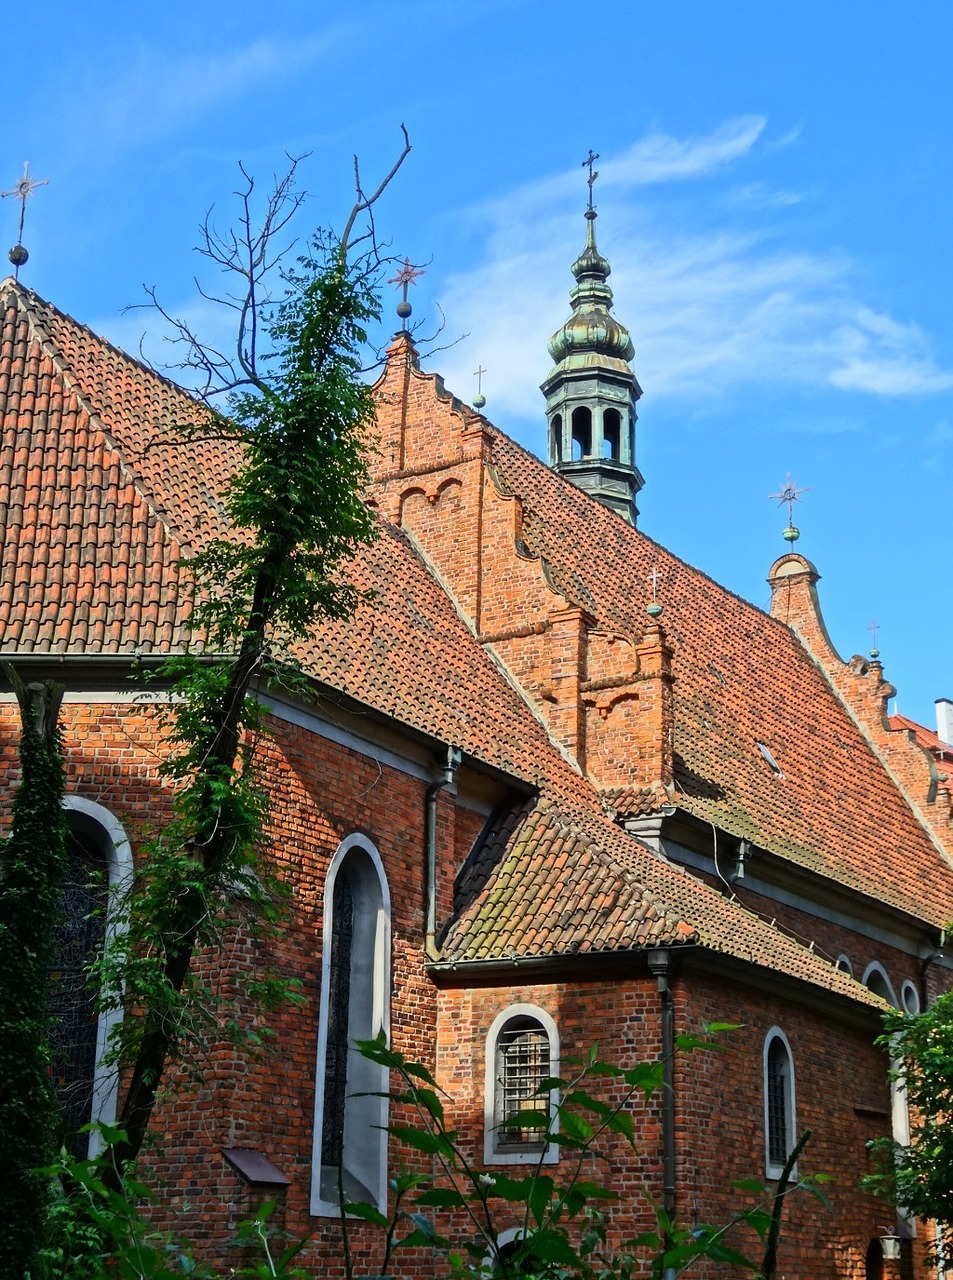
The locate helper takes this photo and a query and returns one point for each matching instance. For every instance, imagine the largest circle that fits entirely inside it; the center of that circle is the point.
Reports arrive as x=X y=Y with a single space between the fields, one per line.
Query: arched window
x=350 y=1146
x=779 y=1112
x=877 y=979
x=556 y=437
x=522 y=1050
x=581 y=433
x=98 y=868
x=611 y=434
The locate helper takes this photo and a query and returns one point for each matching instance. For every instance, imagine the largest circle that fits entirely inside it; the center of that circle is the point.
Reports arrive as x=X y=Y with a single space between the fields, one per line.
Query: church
x=550 y=787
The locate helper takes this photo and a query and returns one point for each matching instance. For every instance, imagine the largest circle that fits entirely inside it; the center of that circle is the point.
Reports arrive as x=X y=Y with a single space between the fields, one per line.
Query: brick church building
x=550 y=787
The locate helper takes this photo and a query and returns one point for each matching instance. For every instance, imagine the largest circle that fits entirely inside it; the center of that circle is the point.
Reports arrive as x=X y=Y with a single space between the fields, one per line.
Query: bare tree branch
x=364 y=204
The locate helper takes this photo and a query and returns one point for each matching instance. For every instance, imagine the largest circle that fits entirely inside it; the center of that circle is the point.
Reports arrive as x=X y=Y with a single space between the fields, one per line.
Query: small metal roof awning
x=255 y=1167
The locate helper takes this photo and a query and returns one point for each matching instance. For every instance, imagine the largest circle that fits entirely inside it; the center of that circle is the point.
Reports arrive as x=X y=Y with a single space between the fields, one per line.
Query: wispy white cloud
x=760 y=195
x=659 y=157
x=159 y=89
x=881 y=355
x=710 y=310
x=519 y=218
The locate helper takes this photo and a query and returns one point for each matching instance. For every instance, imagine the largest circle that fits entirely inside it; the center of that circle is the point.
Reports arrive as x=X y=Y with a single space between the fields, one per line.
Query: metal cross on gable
x=589 y=161
x=25 y=187
x=407 y=275
x=789 y=495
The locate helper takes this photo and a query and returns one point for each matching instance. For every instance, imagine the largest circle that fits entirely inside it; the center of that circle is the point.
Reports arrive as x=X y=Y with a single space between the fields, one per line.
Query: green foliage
x=919 y=1178
x=301 y=414
x=561 y=1214
x=97 y=1230
x=32 y=864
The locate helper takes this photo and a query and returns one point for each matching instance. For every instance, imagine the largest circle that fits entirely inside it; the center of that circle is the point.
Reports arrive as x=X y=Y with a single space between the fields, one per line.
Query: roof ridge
x=30 y=303
x=631 y=531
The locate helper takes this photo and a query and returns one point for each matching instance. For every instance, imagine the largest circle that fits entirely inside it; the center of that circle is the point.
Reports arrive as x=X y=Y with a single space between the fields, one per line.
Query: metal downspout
x=447 y=771
x=660 y=964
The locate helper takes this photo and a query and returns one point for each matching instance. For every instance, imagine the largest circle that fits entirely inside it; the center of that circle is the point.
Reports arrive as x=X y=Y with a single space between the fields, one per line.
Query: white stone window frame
x=493 y=1153
x=773 y=1168
x=119 y=869
x=364 y=1077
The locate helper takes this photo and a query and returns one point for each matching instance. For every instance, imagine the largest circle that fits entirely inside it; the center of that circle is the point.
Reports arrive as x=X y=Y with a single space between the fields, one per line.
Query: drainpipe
x=661 y=965
x=925 y=963
x=447 y=771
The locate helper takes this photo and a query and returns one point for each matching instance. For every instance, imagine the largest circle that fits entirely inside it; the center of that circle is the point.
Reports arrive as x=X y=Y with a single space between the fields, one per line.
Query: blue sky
x=774 y=197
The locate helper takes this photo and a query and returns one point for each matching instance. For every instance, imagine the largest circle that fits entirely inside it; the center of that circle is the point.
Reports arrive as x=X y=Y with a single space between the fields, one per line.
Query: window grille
x=778 y=1084
x=523 y=1057
x=339 y=997
x=79 y=934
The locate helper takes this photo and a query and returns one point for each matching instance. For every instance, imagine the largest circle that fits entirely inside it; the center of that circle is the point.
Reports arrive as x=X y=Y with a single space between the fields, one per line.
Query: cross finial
x=654 y=610
x=479 y=400
x=787 y=497
x=589 y=161
x=25 y=187
x=407 y=275
x=873 y=629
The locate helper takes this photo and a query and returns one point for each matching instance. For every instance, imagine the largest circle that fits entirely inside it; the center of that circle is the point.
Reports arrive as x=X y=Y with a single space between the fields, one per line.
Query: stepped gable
x=558 y=876
x=740 y=678
x=98 y=499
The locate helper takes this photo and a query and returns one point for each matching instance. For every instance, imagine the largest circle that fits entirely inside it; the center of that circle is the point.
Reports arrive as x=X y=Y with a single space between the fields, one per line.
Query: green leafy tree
x=296 y=402
x=918 y=1178
x=32 y=864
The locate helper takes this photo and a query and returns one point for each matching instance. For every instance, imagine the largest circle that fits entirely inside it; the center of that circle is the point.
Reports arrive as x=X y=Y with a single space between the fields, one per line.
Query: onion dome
x=592 y=335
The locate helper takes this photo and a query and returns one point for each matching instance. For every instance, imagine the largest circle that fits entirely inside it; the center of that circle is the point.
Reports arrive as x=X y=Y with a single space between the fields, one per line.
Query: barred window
x=522 y=1052
x=779 y=1122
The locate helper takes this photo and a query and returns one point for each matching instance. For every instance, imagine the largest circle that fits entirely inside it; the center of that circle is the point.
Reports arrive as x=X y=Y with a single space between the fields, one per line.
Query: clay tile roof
x=100 y=500
x=926 y=738
x=740 y=678
x=98 y=497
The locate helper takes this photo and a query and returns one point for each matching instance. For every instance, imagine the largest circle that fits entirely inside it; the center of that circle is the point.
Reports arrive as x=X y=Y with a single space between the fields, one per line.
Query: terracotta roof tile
x=99 y=501
x=835 y=811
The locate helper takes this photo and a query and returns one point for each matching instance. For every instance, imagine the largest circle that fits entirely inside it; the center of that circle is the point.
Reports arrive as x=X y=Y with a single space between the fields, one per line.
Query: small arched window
x=779 y=1111
x=556 y=437
x=611 y=434
x=581 y=433
x=350 y=1144
x=522 y=1051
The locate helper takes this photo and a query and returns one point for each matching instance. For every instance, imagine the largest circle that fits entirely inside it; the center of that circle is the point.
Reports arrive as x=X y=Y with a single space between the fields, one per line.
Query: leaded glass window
x=80 y=931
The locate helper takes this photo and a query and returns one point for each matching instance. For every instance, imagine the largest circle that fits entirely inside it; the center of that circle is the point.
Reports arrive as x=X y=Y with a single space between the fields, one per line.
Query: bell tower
x=591 y=391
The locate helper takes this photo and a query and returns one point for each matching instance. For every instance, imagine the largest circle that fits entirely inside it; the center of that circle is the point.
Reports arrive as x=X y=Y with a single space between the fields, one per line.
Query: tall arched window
x=581 y=433
x=779 y=1111
x=98 y=867
x=556 y=437
x=350 y=1146
x=522 y=1050
x=611 y=434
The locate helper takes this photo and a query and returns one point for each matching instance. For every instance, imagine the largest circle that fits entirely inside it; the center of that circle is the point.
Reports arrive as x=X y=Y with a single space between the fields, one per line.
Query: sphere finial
x=407 y=275
x=788 y=495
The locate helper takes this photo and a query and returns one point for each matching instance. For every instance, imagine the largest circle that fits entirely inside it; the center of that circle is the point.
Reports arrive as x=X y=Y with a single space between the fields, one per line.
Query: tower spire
x=591 y=390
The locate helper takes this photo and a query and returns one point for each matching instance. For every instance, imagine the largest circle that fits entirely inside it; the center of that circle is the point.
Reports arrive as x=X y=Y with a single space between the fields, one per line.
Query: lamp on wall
x=890 y=1244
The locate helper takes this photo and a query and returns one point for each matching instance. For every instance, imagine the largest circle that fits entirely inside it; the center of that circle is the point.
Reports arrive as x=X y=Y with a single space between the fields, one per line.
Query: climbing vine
x=32 y=864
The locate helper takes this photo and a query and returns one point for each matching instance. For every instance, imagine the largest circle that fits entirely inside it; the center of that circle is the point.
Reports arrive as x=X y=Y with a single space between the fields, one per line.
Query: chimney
x=944 y=720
